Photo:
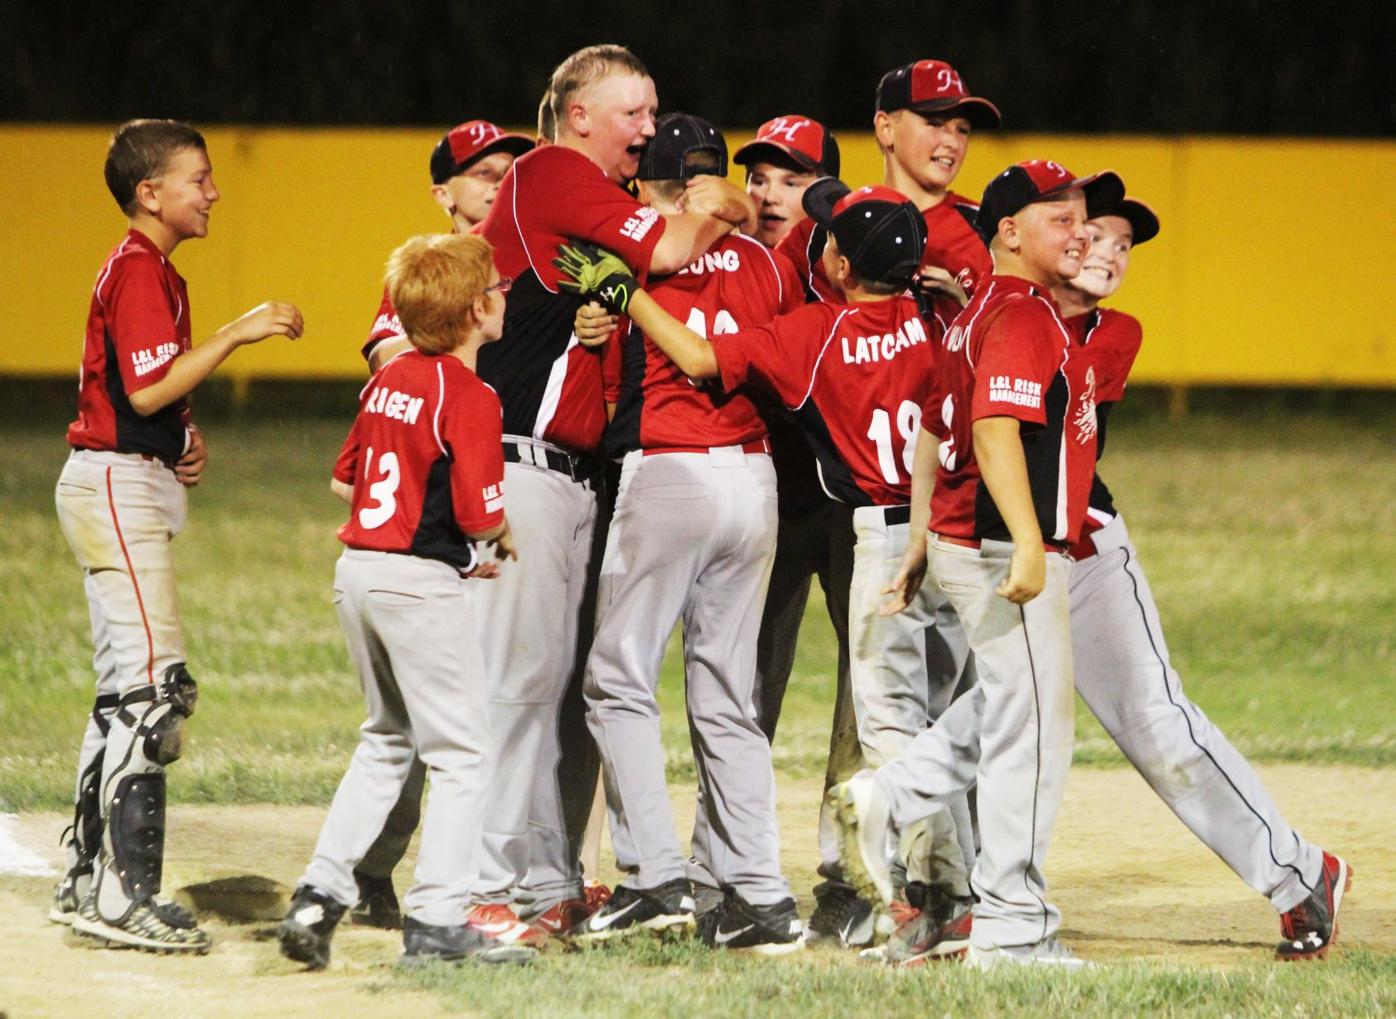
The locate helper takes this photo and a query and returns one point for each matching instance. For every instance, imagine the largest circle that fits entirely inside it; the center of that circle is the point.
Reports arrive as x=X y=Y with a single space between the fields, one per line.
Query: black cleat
x=766 y=930
x=425 y=943
x=840 y=916
x=377 y=905
x=668 y=907
x=305 y=933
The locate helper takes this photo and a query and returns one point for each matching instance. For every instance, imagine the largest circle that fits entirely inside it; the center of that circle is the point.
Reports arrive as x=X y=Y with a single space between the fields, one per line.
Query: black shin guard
x=137 y=831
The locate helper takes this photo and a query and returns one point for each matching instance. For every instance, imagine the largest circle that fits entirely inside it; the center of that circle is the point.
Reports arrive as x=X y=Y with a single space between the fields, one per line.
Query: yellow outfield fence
x=1270 y=269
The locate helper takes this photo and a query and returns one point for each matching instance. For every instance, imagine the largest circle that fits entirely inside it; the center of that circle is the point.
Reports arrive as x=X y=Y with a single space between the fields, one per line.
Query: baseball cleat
x=765 y=930
x=861 y=814
x=1050 y=952
x=64 y=908
x=939 y=932
x=425 y=943
x=151 y=926
x=706 y=898
x=377 y=905
x=669 y=907
x=840 y=915
x=596 y=894
x=309 y=925
x=498 y=922
x=561 y=917
x=1310 y=928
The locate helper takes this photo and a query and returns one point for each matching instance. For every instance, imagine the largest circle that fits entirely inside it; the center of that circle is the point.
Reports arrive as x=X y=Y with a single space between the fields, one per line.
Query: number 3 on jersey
x=383 y=492
x=880 y=431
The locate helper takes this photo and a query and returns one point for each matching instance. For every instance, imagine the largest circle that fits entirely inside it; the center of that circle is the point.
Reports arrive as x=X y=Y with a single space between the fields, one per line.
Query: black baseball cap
x=1143 y=221
x=465 y=143
x=933 y=86
x=1039 y=180
x=793 y=139
x=879 y=231
x=683 y=146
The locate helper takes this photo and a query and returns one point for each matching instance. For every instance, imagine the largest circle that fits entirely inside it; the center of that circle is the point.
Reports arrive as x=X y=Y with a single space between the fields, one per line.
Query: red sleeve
x=792 y=291
x=782 y=354
x=612 y=363
x=1122 y=337
x=1019 y=352
x=141 y=321
x=795 y=247
x=568 y=199
x=386 y=326
x=471 y=428
x=346 y=466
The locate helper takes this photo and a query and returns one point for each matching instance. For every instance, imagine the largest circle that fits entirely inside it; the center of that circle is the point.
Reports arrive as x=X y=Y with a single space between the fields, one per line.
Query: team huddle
x=623 y=393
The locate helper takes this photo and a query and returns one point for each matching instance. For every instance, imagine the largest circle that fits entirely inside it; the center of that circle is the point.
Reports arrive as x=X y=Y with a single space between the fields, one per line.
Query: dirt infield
x=1131 y=881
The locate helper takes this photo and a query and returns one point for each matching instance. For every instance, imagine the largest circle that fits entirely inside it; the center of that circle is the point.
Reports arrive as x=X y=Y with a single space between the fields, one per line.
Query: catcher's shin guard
x=82 y=840
x=147 y=734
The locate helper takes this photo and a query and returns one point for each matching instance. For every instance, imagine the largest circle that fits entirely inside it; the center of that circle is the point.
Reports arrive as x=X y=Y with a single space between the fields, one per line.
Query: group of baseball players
x=623 y=393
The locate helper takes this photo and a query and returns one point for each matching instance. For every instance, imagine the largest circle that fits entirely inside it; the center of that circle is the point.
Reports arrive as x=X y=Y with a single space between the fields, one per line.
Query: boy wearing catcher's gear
x=120 y=500
x=423 y=475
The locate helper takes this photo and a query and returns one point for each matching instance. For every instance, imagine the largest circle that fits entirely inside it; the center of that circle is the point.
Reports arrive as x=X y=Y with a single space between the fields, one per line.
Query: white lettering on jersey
x=385 y=326
x=954 y=339
x=494 y=498
x=398 y=406
x=639 y=224
x=867 y=349
x=713 y=261
x=143 y=362
x=1019 y=392
x=1085 y=418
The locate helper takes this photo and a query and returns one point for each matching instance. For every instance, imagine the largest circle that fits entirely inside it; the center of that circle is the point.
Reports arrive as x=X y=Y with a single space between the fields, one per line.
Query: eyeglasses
x=502 y=285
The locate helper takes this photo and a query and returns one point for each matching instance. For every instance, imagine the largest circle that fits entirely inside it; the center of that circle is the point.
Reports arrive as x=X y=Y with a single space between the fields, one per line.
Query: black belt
x=892 y=515
x=580 y=467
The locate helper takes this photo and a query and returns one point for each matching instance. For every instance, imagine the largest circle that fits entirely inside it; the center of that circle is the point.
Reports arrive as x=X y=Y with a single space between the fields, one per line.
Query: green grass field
x=1268 y=540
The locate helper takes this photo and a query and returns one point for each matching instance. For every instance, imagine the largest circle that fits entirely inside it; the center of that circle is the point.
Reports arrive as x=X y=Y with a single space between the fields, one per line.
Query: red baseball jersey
x=1109 y=341
x=549 y=384
x=386 y=326
x=425 y=460
x=952 y=244
x=137 y=323
x=857 y=376
x=737 y=283
x=1008 y=355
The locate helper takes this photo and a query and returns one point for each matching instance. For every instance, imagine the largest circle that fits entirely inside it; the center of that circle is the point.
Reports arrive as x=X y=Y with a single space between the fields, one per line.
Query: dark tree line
x=1151 y=66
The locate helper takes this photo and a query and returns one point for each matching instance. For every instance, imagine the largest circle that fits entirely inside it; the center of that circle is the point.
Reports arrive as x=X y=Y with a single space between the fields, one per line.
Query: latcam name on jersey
x=713 y=261
x=391 y=403
x=1019 y=392
x=866 y=349
x=639 y=224
x=143 y=362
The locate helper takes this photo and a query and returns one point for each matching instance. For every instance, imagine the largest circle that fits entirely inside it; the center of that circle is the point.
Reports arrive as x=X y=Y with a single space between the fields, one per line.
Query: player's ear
x=579 y=119
x=1011 y=234
x=443 y=198
x=148 y=197
x=882 y=128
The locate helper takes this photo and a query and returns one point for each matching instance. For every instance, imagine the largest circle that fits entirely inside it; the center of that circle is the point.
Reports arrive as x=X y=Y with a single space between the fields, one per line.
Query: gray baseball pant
x=693 y=537
x=410 y=627
x=1124 y=675
x=1012 y=734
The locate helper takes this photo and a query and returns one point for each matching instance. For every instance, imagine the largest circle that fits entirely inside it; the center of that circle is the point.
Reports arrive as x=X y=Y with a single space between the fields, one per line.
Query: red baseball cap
x=465 y=143
x=933 y=86
x=1039 y=180
x=806 y=142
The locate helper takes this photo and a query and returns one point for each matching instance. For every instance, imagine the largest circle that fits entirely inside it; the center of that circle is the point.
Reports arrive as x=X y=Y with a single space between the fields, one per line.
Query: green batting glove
x=595 y=272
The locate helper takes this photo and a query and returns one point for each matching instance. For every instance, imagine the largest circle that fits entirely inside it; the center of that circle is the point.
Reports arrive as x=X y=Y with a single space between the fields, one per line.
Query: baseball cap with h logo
x=793 y=139
x=933 y=86
x=465 y=143
x=1041 y=180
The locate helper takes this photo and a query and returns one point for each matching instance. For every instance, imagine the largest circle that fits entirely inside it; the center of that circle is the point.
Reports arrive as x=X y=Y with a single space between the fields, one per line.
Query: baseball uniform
x=554 y=416
x=692 y=538
x=120 y=504
x=424 y=461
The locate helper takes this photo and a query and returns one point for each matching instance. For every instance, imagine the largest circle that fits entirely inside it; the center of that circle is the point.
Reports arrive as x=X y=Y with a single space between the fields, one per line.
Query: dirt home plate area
x=1132 y=884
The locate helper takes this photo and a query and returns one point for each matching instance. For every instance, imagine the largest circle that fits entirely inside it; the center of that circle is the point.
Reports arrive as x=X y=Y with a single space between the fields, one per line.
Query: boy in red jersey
x=120 y=500
x=1123 y=672
x=423 y=475
x=1017 y=414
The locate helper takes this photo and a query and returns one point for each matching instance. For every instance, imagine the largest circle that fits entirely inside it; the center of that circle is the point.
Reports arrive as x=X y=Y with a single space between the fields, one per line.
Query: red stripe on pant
x=131 y=570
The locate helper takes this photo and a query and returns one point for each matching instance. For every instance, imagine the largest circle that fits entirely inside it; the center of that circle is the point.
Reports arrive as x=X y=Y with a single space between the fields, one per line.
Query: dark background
x=1150 y=67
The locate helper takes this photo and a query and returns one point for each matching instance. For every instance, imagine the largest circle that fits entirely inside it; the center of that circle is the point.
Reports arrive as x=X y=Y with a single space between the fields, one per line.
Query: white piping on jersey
x=780 y=286
x=1099 y=515
x=552 y=392
x=969 y=326
x=518 y=229
x=1061 y=529
x=106 y=269
x=815 y=371
x=436 y=414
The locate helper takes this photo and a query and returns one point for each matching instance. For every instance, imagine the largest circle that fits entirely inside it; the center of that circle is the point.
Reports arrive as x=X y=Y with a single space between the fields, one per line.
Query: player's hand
x=594 y=272
x=1027 y=574
x=483 y=571
x=908 y=580
x=274 y=318
x=594 y=324
x=718 y=197
x=503 y=545
x=190 y=467
x=932 y=282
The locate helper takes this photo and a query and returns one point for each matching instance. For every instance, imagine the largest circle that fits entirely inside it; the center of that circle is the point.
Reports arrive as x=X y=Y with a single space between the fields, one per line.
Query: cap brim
x=1104 y=192
x=979 y=112
x=762 y=151
x=821 y=197
x=1143 y=221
